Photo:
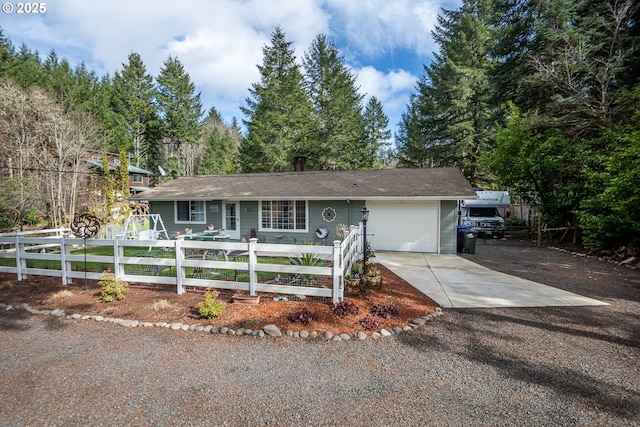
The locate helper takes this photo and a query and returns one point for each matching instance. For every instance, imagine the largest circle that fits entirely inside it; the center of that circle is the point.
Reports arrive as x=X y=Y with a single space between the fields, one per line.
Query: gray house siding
x=448 y=226
x=346 y=213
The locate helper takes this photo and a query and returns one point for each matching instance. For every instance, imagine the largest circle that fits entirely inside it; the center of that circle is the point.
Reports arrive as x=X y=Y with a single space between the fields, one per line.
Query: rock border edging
x=267 y=331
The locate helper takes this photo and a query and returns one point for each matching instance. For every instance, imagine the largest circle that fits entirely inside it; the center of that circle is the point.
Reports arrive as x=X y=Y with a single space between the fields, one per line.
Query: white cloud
x=392 y=89
x=220 y=42
x=380 y=26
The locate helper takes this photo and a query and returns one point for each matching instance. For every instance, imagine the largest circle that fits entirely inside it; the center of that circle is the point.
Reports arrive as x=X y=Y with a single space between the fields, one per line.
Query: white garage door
x=403 y=226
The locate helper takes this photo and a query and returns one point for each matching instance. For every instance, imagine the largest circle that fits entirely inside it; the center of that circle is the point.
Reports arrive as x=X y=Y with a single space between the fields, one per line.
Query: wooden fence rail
x=274 y=268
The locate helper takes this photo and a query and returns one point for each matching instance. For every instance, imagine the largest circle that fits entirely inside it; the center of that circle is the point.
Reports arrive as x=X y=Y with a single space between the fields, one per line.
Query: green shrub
x=111 y=287
x=211 y=307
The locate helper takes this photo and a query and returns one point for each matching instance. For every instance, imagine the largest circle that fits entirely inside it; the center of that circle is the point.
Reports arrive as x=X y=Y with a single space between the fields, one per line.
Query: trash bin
x=460 y=236
x=469 y=245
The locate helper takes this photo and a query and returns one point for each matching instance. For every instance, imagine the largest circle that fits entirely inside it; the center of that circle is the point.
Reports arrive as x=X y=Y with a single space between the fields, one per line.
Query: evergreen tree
x=27 y=70
x=278 y=111
x=108 y=186
x=180 y=109
x=451 y=113
x=220 y=146
x=113 y=128
x=7 y=55
x=121 y=177
x=415 y=139
x=376 y=135
x=133 y=100
x=337 y=106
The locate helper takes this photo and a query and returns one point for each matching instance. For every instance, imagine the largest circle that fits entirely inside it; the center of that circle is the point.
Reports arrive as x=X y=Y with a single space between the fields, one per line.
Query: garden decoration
x=85 y=226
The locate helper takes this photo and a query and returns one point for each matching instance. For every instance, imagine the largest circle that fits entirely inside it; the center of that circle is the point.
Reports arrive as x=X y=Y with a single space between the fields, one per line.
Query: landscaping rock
x=272 y=331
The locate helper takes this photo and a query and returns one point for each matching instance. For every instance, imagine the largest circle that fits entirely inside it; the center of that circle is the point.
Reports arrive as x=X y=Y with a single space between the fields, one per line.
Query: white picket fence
x=173 y=261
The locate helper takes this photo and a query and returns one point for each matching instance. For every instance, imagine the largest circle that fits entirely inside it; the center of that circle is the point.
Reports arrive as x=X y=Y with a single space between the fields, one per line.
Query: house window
x=190 y=211
x=137 y=178
x=283 y=215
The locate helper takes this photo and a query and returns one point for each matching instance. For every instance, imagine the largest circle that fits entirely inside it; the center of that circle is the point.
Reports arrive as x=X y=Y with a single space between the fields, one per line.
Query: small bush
x=251 y=324
x=370 y=323
x=6 y=285
x=111 y=287
x=386 y=311
x=304 y=316
x=62 y=294
x=109 y=310
x=345 y=308
x=161 y=305
x=211 y=307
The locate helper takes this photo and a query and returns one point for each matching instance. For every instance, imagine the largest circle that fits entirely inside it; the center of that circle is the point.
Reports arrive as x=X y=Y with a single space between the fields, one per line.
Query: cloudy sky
x=385 y=42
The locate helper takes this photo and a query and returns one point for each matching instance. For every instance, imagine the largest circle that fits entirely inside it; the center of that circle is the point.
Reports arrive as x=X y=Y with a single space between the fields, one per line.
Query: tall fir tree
x=133 y=99
x=27 y=69
x=180 y=109
x=220 y=146
x=7 y=55
x=337 y=104
x=453 y=105
x=377 y=135
x=278 y=111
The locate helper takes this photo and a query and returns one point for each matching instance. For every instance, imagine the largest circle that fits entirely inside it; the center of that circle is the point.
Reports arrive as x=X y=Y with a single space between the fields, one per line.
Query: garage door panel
x=403 y=226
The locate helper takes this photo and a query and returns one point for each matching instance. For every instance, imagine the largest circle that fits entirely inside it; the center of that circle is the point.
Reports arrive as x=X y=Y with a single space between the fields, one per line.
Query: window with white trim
x=279 y=215
x=190 y=211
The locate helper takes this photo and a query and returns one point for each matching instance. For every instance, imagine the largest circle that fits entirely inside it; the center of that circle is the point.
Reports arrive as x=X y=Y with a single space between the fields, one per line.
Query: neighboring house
x=139 y=179
x=410 y=209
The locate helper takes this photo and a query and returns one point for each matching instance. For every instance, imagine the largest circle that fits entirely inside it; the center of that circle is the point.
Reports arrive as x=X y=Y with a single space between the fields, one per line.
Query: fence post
x=20 y=263
x=64 y=264
x=253 y=260
x=118 y=251
x=338 y=289
x=177 y=250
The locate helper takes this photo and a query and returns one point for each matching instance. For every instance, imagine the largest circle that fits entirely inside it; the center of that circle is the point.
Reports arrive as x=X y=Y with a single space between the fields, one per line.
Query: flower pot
x=246 y=300
x=351 y=282
x=372 y=281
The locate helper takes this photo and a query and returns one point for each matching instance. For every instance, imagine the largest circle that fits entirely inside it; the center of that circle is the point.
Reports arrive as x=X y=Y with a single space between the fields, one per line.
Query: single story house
x=409 y=209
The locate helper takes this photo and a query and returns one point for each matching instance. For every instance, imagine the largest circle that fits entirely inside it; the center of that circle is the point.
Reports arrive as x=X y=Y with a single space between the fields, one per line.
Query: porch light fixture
x=365 y=218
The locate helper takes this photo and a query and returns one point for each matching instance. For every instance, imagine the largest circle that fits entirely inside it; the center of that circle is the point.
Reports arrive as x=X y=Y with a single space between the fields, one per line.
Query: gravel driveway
x=540 y=366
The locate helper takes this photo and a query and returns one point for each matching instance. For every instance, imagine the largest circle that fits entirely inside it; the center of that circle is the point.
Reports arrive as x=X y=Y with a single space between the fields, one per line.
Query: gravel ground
x=535 y=366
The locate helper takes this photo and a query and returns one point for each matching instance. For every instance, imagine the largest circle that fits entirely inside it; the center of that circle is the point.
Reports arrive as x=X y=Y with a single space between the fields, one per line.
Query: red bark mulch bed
x=141 y=303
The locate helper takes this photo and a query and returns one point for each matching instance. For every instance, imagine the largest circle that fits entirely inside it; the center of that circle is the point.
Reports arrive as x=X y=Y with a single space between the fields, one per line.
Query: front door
x=231 y=219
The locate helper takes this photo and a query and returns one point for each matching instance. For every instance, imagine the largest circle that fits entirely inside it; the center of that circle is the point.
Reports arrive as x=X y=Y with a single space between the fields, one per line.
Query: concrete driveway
x=455 y=282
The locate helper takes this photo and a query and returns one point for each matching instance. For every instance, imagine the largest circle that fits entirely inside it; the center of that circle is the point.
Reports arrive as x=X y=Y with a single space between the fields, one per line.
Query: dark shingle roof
x=433 y=183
